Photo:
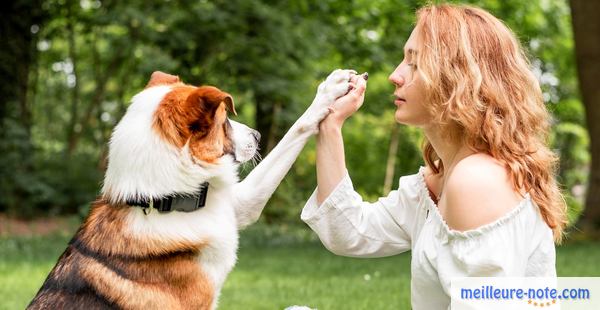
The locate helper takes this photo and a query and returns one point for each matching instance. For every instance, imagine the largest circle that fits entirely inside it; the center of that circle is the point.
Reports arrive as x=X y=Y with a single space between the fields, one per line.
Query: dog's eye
x=194 y=127
x=198 y=127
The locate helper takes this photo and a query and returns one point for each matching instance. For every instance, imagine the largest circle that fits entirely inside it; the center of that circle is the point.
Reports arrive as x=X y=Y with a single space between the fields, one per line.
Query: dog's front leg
x=252 y=193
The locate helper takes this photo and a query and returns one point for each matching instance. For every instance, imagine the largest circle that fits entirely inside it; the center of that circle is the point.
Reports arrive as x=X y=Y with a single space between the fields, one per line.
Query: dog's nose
x=256 y=135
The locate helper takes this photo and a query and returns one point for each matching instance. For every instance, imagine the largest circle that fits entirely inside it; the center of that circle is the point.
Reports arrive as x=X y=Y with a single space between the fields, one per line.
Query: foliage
x=94 y=55
x=21 y=191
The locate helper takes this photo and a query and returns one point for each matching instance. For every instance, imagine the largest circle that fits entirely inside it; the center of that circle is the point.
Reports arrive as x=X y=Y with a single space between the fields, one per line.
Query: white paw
x=336 y=85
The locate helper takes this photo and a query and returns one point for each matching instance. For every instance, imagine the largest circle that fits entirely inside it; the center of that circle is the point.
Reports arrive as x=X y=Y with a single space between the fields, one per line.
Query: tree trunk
x=72 y=127
x=586 y=28
x=273 y=132
x=264 y=122
x=391 y=160
x=18 y=51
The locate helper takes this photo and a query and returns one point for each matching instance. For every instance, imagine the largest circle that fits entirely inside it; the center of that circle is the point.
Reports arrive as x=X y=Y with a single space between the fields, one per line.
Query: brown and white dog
x=174 y=142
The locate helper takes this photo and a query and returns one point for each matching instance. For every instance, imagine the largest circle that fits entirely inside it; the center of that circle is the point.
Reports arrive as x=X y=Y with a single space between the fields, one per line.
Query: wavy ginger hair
x=480 y=89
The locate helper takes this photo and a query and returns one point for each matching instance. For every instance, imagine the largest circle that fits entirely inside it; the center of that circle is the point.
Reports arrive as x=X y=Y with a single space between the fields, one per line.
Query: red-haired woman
x=486 y=203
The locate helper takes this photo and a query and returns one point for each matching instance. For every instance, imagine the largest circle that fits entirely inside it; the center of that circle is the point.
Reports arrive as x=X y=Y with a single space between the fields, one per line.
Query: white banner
x=565 y=293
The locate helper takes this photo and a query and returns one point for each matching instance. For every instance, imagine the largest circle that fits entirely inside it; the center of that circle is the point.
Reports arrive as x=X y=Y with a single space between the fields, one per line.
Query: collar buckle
x=148 y=209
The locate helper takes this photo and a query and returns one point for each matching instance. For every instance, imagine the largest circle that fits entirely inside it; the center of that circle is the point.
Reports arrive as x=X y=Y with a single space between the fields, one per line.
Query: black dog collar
x=175 y=202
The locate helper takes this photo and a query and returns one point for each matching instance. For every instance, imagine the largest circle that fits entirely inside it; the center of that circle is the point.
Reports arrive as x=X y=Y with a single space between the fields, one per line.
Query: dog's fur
x=173 y=138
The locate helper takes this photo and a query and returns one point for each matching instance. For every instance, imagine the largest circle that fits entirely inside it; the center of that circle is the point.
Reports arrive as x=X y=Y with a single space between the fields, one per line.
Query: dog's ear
x=210 y=98
x=206 y=100
x=229 y=104
x=158 y=78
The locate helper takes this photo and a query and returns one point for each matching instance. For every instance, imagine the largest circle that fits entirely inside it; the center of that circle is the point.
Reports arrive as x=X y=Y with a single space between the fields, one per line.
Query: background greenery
x=78 y=63
x=90 y=57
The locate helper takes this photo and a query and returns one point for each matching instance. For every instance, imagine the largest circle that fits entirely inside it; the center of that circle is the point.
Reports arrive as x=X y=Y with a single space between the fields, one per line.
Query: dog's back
x=68 y=290
x=105 y=267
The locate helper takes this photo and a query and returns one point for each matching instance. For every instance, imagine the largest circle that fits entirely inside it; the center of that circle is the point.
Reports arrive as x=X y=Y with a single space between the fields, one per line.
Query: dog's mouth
x=250 y=160
x=245 y=142
x=248 y=152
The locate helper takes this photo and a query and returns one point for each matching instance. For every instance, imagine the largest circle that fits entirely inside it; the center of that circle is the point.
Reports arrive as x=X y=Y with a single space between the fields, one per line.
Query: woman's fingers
x=355 y=77
x=351 y=102
x=351 y=86
x=360 y=86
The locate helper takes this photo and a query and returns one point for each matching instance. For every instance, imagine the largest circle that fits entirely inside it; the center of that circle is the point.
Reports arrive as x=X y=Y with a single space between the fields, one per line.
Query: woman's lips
x=399 y=101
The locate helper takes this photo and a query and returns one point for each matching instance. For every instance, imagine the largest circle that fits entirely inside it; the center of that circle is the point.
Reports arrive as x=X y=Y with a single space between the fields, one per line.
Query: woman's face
x=409 y=93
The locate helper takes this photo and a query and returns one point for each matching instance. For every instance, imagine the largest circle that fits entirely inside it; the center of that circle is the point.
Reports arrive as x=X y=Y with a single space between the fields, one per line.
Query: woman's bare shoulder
x=478 y=191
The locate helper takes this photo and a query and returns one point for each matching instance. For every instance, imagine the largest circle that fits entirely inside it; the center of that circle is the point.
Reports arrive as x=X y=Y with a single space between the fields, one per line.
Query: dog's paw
x=336 y=85
x=309 y=123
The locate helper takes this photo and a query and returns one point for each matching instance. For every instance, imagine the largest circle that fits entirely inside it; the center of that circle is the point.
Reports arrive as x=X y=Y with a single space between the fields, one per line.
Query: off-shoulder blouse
x=519 y=244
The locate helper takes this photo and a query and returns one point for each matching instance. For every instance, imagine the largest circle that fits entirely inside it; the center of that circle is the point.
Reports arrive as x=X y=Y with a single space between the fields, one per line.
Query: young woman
x=486 y=203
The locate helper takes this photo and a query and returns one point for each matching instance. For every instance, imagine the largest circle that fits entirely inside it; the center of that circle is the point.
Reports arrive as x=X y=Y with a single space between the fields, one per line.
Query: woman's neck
x=450 y=151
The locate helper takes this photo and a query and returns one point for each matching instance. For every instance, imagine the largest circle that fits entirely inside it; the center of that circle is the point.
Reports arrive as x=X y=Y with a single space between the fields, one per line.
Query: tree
x=586 y=27
x=20 y=22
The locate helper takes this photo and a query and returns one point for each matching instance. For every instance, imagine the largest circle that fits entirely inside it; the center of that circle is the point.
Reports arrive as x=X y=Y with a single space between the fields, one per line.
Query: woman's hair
x=480 y=88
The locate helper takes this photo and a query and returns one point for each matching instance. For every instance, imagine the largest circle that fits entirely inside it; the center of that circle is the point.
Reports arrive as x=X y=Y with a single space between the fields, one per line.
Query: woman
x=487 y=203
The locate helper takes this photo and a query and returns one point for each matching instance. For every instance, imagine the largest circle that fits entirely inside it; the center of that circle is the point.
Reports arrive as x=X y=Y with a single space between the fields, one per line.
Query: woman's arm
x=251 y=195
x=331 y=162
x=345 y=223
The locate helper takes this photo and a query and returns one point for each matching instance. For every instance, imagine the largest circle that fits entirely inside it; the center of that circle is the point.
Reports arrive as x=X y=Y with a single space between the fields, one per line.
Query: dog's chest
x=218 y=257
x=216 y=226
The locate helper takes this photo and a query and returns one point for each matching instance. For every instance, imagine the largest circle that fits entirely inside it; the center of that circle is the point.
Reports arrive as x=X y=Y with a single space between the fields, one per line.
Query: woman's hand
x=346 y=105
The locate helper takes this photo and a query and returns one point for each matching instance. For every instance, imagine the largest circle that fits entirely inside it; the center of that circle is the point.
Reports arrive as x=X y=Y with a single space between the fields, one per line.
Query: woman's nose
x=396 y=78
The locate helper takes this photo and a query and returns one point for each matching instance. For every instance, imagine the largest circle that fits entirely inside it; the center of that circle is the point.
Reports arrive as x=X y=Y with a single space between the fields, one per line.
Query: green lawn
x=276 y=268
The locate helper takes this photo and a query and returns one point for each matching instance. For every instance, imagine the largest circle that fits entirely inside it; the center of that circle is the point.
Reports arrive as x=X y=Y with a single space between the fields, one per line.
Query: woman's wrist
x=331 y=125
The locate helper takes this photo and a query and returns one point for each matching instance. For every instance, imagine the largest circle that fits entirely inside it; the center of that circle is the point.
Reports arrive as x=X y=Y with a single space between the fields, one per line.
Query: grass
x=277 y=267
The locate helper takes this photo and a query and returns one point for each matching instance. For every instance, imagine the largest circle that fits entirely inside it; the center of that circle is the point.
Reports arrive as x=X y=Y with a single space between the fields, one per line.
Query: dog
x=163 y=233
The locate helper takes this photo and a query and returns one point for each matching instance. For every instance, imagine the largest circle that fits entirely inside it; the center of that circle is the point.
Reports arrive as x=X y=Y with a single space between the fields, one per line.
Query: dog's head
x=174 y=137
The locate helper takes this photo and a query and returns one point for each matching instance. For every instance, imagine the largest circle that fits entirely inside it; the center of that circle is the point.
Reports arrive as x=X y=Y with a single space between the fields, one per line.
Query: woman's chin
x=400 y=117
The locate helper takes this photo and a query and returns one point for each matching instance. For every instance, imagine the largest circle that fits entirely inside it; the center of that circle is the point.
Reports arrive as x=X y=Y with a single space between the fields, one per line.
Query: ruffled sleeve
x=349 y=226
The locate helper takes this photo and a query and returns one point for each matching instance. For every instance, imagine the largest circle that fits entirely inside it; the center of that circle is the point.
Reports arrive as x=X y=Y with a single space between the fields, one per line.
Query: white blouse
x=518 y=244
